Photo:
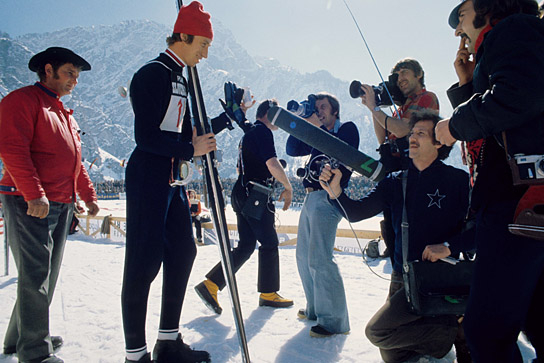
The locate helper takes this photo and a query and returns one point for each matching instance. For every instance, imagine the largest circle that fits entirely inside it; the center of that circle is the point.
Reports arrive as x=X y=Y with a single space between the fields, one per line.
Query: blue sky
x=308 y=35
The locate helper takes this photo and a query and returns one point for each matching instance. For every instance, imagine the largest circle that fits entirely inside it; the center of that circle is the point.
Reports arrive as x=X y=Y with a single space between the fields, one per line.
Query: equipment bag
x=438 y=288
x=257 y=201
x=373 y=248
x=433 y=288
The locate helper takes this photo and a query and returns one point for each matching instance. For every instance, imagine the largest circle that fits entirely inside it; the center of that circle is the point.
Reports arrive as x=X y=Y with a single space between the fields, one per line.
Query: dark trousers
x=159 y=232
x=402 y=335
x=37 y=246
x=507 y=293
x=250 y=231
x=198 y=227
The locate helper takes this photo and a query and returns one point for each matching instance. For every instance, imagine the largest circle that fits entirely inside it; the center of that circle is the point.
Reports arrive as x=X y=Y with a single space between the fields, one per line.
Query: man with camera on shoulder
x=434 y=198
x=407 y=88
x=504 y=106
x=410 y=81
x=319 y=273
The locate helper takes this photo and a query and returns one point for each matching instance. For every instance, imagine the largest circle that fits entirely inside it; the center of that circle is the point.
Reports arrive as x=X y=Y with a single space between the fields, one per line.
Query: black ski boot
x=175 y=351
x=145 y=359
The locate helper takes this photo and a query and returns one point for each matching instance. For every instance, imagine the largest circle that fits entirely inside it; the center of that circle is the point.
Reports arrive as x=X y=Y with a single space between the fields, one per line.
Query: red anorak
x=40 y=147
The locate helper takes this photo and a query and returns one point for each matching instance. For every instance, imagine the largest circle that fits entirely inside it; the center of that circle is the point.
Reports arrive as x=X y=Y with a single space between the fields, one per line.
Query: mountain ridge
x=117 y=51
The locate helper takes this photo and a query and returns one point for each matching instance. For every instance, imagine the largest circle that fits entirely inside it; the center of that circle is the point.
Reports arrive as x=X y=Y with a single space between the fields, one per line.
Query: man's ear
x=49 y=71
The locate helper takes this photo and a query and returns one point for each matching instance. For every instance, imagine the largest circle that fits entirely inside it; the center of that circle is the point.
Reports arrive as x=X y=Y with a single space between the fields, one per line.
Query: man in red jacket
x=41 y=151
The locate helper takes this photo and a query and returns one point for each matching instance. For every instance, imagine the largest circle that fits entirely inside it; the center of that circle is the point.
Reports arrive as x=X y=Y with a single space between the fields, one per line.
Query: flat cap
x=453 y=20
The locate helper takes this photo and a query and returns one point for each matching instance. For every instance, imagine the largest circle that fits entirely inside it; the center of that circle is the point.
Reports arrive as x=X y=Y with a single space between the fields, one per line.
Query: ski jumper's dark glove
x=231 y=104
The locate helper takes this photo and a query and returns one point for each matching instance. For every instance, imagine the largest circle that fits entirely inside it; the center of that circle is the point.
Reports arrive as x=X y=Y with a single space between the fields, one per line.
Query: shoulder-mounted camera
x=382 y=98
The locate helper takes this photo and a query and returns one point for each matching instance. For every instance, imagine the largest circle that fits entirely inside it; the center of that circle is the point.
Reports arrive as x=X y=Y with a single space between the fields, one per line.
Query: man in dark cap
x=159 y=230
x=40 y=147
x=501 y=102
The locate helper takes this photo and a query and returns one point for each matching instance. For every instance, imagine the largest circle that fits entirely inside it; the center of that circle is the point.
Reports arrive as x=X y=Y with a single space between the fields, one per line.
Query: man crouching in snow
x=436 y=205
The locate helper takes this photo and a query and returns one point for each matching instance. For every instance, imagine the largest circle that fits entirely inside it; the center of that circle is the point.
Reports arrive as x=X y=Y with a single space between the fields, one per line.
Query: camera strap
x=241 y=162
x=404 y=234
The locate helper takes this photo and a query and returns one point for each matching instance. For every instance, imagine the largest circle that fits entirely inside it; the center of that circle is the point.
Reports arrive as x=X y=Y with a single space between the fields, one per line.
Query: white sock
x=136 y=354
x=168 y=334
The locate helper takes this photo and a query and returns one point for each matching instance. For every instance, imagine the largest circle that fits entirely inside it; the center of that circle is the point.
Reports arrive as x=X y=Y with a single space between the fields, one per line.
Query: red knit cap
x=193 y=20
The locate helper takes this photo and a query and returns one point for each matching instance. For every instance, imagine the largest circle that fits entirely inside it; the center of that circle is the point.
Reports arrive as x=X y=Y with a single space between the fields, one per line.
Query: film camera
x=313 y=168
x=530 y=166
x=394 y=155
x=303 y=109
x=380 y=92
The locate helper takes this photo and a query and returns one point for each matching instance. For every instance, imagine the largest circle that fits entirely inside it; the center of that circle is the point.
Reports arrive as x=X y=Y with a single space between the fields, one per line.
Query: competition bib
x=173 y=119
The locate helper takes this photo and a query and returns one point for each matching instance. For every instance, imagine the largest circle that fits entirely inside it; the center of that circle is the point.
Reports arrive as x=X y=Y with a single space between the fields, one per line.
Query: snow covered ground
x=86 y=309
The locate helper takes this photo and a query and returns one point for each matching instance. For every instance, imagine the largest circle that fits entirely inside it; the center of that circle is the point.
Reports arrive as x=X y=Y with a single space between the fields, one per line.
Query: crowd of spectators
x=109 y=187
x=358 y=187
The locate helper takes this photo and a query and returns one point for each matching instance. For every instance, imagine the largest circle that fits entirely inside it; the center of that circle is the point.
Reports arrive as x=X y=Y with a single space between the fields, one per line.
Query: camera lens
x=355 y=89
x=301 y=172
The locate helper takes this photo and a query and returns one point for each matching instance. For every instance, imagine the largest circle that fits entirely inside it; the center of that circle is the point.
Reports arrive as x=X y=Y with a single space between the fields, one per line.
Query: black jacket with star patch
x=436 y=202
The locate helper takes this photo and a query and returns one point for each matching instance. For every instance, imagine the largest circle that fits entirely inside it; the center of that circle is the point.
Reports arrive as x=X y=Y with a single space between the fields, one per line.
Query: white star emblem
x=435 y=199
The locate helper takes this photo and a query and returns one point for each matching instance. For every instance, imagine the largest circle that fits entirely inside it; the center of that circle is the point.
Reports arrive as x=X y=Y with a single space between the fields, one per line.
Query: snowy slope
x=86 y=309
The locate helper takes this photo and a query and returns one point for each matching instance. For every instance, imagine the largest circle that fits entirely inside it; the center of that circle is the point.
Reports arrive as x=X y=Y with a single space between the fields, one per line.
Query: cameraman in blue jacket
x=320 y=276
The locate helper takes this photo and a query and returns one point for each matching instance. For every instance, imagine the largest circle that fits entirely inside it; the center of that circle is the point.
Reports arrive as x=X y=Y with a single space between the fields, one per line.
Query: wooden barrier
x=115 y=222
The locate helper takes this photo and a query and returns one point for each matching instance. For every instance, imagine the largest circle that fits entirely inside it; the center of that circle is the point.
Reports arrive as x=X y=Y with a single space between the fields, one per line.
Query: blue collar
x=337 y=125
x=46 y=90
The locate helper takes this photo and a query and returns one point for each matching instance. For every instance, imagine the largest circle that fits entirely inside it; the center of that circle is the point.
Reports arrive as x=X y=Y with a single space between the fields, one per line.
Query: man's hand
x=203 y=144
x=369 y=98
x=38 y=208
x=464 y=67
x=434 y=253
x=92 y=208
x=442 y=131
x=330 y=181
x=245 y=108
x=314 y=120
x=78 y=208
x=287 y=197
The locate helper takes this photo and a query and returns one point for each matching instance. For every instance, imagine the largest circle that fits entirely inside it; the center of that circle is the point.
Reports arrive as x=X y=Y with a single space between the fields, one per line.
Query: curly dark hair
x=497 y=10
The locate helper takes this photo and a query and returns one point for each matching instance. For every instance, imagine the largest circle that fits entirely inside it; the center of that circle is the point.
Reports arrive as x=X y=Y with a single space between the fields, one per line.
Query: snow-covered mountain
x=116 y=52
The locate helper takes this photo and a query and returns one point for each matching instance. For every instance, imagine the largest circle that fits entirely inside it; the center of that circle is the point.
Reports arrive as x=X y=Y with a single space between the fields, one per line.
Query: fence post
x=87 y=225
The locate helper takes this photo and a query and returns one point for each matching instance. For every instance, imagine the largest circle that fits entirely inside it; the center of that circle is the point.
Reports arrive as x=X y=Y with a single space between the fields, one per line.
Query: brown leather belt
x=310 y=189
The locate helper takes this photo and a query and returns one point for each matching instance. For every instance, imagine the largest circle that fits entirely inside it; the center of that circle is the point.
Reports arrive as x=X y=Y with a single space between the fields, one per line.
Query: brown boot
x=273 y=299
x=207 y=290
